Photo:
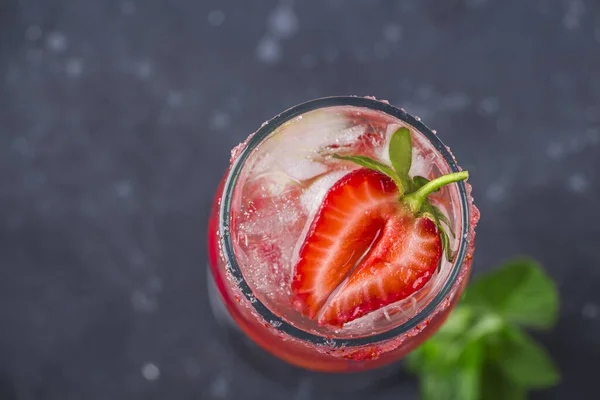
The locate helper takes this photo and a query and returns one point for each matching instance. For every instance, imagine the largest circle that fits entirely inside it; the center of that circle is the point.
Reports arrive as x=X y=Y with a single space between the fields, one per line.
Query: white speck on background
x=124 y=189
x=144 y=70
x=574 y=144
x=174 y=99
x=219 y=388
x=128 y=8
x=308 y=61
x=219 y=120
x=142 y=302
x=268 y=50
x=33 y=33
x=150 y=371
x=590 y=311
x=392 y=32
x=572 y=18
x=496 y=192
x=216 y=17
x=56 y=42
x=154 y=284
x=577 y=183
x=74 y=67
x=282 y=22
x=21 y=146
x=455 y=101
x=137 y=258
x=489 y=106
x=555 y=151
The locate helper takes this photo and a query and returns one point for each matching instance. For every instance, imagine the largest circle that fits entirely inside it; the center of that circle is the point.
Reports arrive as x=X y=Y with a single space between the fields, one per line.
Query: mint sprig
x=413 y=192
x=482 y=351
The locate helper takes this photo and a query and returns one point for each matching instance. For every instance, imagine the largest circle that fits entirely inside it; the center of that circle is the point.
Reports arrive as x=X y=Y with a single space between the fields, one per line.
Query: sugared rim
x=227 y=244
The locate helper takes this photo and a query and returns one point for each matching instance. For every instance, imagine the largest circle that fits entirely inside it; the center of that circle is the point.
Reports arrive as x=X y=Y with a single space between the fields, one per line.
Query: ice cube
x=349 y=136
x=313 y=196
x=425 y=158
x=300 y=168
x=273 y=183
x=296 y=148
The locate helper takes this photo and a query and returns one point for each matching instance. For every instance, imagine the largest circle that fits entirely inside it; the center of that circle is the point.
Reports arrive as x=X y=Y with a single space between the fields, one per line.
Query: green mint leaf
x=525 y=362
x=419 y=181
x=422 y=358
x=520 y=292
x=485 y=326
x=449 y=363
x=480 y=352
x=446 y=244
x=442 y=217
x=401 y=154
x=458 y=322
x=367 y=162
x=429 y=212
x=495 y=385
x=458 y=380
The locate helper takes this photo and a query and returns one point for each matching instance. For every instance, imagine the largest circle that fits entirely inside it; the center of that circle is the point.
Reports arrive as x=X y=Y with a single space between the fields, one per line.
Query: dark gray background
x=117 y=118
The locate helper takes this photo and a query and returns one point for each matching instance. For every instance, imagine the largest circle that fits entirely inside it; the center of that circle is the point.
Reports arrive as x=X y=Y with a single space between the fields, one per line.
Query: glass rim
x=232 y=266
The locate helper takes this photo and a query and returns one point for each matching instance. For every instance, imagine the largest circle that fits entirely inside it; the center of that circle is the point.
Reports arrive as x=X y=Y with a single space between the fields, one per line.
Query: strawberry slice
x=352 y=214
x=375 y=240
x=400 y=263
x=362 y=222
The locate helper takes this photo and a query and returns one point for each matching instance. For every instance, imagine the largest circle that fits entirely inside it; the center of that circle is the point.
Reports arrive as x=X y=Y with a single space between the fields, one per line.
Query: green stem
x=416 y=199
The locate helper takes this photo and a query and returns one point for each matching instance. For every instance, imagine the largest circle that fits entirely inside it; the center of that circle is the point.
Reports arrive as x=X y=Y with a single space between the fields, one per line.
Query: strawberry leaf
x=430 y=212
x=374 y=165
x=419 y=181
x=401 y=154
x=446 y=244
x=442 y=217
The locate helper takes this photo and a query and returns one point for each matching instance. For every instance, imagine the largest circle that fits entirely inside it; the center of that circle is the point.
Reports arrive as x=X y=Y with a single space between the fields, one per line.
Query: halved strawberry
x=404 y=258
x=375 y=240
x=352 y=214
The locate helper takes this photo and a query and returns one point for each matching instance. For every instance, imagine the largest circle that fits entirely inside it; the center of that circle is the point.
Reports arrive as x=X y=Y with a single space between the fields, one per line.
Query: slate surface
x=116 y=121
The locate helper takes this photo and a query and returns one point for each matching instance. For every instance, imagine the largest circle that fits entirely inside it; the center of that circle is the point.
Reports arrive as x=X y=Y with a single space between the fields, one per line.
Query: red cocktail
x=333 y=241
